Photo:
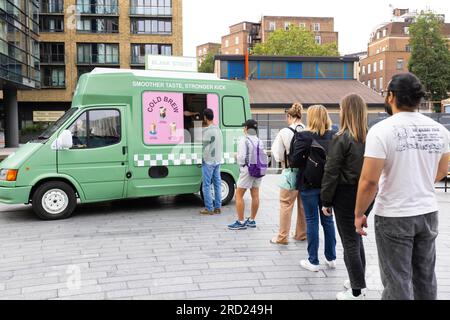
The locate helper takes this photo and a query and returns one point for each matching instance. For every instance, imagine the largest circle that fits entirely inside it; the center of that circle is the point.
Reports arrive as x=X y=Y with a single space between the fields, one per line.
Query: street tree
x=296 y=41
x=430 y=56
x=207 y=65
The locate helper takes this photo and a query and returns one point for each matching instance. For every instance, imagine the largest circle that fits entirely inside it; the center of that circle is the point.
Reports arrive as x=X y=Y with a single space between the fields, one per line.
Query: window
x=227 y=43
x=378 y=51
x=368 y=83
x=381 y=84
x=384 y=32
x=374 y=84
x=316 y=27
x=408 y=48
x=399 y=64
x=363 y=70
x=98 y=25
x=302 y=25
x=381 y=65
x=151 y=7
x=375 y=66
x=406 y=30
x=53 y=77
x=138 y=51
x=286 y=25
x=233 y=111
x=51 y=52
x=204 y=50
x=378 y=34
x=52 y=6
x=236 y=51
x=97 y=6
x=96 y=129
x=369 y=66
x=383 y=49
x=236 y=40
x=318 y=39
x=151 y=26
x=98 y=53
x=51 y=24
x=272 y=26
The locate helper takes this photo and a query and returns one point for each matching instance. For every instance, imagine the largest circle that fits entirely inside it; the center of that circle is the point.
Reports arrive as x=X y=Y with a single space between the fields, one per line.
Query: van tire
x=56 y=195
x=228 y=180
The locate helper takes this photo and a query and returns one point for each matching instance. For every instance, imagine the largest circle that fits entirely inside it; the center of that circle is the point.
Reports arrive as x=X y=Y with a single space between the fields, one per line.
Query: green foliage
x=35 y=128
x=430 y=56
x=295 y=41
x=207 y=65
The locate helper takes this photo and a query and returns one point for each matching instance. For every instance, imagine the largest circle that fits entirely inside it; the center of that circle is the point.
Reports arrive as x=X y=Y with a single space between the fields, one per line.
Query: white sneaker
x=331 y=264
x=309 y=266
x=347 y=284
x=348 y=295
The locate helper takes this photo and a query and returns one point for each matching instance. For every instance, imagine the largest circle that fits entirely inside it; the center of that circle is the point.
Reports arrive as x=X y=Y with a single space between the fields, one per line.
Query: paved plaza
x=161 y=248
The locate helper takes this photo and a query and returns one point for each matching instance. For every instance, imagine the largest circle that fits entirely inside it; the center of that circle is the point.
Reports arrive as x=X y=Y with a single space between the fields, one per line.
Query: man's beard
x=388 y=110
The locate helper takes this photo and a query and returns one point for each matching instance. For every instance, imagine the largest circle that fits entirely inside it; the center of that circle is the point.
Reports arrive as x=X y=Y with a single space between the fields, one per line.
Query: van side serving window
x=233 y=111
x=96 y=129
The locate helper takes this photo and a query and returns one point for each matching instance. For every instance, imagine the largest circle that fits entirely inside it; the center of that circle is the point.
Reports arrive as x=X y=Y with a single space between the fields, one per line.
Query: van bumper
x=16 y=195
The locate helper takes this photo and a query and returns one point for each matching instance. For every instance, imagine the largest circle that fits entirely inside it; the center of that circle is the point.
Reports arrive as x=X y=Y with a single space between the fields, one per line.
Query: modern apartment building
x=19 y=59
x=245 y=35
x=78 y=35
x=389 y=51
x=204 y=49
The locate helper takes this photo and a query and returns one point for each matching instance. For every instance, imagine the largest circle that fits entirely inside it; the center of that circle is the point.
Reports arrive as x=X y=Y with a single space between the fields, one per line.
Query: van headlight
x=8 y=174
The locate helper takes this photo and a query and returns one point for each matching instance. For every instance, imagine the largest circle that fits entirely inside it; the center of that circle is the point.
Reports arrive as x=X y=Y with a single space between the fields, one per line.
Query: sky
x=208 y=20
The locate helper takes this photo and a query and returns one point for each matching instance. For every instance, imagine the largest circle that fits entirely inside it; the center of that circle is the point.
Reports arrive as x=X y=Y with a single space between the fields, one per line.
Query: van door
x=98 y=158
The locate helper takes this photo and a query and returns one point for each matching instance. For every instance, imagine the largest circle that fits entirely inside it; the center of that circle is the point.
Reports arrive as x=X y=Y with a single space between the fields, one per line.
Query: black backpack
x=294 y=150
x=315 y=166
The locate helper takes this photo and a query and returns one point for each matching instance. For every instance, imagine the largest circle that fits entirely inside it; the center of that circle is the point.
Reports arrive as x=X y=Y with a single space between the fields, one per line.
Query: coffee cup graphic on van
x=173 y=129
x=153 y=129
x=163 y=113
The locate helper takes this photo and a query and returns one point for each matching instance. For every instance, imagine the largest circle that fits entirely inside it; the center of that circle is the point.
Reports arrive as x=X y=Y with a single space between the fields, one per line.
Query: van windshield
x=57 y=124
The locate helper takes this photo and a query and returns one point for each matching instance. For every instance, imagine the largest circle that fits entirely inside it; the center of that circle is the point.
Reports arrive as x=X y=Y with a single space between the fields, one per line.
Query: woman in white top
x=288 y=186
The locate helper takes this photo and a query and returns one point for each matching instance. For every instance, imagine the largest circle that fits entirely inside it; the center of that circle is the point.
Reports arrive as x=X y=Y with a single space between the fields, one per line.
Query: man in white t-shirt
x=405 y=156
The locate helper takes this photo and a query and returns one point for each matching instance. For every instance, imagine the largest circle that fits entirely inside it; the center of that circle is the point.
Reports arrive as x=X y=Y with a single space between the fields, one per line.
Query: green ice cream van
x=129 y=134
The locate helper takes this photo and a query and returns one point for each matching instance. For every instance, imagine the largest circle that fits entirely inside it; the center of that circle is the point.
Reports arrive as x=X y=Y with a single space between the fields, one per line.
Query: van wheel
x=228 y=189
x=54 y=200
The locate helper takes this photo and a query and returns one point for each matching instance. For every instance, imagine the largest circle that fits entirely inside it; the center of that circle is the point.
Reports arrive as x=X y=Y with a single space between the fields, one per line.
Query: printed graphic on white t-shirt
x=412 y=146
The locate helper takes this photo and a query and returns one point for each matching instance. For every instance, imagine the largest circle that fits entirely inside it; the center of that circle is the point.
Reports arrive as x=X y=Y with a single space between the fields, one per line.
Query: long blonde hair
x=318 y=120
x=354 y=117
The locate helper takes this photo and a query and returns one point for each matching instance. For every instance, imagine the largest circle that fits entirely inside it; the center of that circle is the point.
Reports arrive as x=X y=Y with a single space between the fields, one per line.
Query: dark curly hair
x=407 y=89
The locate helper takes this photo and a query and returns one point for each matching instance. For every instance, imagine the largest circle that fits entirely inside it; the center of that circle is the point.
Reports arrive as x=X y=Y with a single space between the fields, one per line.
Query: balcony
x=97 y=10
x=149 y=11
x=52 y=82
x=100 y=59
x=52 y=58
x=52 y=7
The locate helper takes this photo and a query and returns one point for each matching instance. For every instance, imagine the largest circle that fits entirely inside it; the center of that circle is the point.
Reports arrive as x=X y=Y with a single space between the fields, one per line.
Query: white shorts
x=246 y=181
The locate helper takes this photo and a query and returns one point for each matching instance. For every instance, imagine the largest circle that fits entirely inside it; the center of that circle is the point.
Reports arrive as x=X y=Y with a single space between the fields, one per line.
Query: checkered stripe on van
x=181 y=159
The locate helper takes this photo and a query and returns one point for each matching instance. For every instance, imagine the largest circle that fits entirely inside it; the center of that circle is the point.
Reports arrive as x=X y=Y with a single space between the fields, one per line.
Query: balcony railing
x=137 y=59
x=151 y=11
x=97 y=31
x=98 y=9
x=52 y=58
x=52 y=7
x=51 y=82
x=98 y=59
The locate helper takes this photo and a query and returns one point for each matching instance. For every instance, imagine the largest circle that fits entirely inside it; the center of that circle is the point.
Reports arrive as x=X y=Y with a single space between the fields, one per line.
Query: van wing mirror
x=64 y=141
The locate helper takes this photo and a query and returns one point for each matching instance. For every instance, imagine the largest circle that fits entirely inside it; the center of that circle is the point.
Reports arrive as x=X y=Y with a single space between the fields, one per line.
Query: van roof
x=160 y=74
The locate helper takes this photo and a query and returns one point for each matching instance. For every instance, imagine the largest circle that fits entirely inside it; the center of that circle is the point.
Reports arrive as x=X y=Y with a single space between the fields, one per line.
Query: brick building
x=389 y=51
x=79 y=35
x=204 y=49
x=246 y=34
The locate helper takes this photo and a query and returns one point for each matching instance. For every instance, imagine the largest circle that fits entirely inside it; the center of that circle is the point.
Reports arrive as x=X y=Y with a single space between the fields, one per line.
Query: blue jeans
x=313 y=210
x=211 y=174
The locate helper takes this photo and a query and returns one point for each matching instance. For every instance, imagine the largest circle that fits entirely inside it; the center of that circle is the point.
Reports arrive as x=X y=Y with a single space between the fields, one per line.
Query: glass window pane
x=79 y=132
x=104 y=128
